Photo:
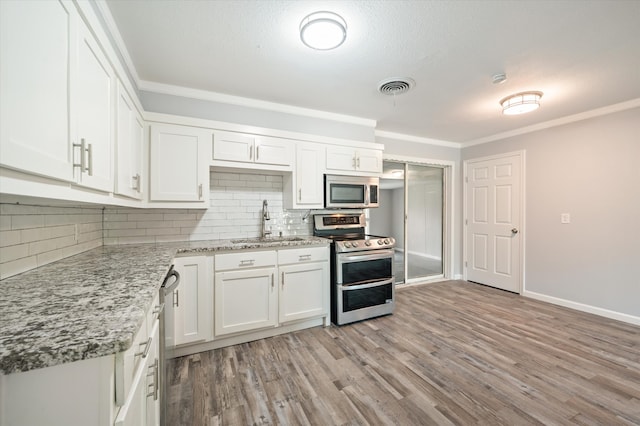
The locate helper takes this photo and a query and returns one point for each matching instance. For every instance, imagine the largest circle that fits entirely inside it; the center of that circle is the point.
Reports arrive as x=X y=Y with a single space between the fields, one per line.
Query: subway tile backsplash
x=235 y=212
x=32 y=236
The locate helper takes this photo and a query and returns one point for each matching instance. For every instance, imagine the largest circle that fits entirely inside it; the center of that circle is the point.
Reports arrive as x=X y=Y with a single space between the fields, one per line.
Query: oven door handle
x=368 y=255
x=349 y=287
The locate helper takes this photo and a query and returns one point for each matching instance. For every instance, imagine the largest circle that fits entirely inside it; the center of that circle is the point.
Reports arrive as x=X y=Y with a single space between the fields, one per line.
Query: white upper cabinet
x=129 y=146
x=252 y=149
x=304 y=188
x=57 y=95
x=179 y=169
x=34 y=82
x=93 y=118
x=354 y=160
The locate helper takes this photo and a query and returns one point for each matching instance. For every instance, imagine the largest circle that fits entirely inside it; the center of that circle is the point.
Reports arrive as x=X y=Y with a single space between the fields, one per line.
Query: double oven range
x=362 y=271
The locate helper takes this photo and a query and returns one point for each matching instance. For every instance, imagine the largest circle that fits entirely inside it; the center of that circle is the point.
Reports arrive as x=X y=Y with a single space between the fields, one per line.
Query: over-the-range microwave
x=350 y=192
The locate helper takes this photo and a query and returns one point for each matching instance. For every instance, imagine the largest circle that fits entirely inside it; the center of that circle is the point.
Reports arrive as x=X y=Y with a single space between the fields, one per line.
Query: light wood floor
x=453 y=353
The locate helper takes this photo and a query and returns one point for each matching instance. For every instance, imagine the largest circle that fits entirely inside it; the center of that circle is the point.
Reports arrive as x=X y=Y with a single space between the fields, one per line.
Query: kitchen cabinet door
x=129 y=146
x=274 y=151
x=245 y=300
x=142 y=404
x=369 y=160
x=304 y=291
x=192 y=300
x=92 y=117
x=35 y=66
x=231 y=146
x=179 y=164
x=354 y=160
x=250 y=149
x=307 y=186
x=341 y=158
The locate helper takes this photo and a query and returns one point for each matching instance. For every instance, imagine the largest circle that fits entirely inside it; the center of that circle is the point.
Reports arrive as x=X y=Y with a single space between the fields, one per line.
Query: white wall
x=590 y=169
x=235 y=212
x=381 y=218
x=33 y=235
x=209 y=110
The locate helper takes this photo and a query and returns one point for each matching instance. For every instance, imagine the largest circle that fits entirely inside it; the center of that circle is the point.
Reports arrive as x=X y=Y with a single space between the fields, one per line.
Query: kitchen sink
x=266 y=240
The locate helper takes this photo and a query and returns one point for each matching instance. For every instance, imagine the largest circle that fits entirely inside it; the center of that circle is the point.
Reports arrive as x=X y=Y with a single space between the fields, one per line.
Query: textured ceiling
x=582 y=54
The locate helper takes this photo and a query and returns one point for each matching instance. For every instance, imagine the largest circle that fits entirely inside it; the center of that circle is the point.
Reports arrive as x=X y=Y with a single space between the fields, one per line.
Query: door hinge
x=465 y=263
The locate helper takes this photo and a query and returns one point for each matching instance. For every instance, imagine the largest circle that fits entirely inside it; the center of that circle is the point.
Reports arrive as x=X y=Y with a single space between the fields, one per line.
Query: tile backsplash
x=235 y=212
x=32 y=236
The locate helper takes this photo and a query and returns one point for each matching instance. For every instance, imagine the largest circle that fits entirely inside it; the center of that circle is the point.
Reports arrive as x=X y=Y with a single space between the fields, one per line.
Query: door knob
x=514 y=230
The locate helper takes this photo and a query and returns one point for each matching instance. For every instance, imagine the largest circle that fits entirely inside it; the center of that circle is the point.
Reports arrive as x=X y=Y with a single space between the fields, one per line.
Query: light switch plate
x=565 y=218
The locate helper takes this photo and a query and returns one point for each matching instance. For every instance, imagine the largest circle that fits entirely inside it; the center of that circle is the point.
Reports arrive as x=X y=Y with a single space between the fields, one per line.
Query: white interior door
x=493 y=221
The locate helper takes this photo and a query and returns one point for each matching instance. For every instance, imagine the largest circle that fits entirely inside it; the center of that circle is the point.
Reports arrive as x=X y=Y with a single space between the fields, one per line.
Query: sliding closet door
x=424 y=246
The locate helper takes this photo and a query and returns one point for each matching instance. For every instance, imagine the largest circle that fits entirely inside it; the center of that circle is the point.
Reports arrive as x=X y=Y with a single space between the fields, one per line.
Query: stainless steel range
x=362 y=271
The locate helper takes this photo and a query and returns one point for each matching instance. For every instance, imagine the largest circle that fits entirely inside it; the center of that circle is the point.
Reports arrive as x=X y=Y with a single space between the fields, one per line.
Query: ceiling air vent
x=395 y=86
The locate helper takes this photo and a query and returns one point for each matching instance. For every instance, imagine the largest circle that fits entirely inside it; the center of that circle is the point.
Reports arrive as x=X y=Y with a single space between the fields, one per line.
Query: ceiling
x=583 y=55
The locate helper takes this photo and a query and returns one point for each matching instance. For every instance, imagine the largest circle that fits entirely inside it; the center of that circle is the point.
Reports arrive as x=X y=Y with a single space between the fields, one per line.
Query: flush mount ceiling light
x=323 y=30
x=521 y=103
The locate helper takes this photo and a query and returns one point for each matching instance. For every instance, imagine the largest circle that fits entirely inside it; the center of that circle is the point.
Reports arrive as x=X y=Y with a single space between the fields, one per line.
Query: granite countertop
x=92 y=304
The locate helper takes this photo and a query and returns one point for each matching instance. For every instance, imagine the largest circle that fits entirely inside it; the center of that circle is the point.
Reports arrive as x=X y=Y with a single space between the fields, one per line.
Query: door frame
x=448 y=205
x=521 y=154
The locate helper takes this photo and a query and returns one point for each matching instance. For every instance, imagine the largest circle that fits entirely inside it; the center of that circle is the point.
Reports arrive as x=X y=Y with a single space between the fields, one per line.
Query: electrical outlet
x=565 y=218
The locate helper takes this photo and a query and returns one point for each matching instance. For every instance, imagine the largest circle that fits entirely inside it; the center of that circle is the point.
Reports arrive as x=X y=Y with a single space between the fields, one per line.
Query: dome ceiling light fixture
x=323 y=30
x=521 y=103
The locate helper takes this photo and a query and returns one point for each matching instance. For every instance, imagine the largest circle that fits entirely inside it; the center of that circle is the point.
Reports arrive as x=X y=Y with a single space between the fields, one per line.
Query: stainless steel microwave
x=350 y=192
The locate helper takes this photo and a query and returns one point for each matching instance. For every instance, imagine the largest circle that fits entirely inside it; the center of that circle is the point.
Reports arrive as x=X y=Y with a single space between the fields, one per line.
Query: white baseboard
x=631 y=319
x=458 y=277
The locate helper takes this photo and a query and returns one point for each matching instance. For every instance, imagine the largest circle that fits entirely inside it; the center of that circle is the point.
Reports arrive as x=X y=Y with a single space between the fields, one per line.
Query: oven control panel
x=372 y=243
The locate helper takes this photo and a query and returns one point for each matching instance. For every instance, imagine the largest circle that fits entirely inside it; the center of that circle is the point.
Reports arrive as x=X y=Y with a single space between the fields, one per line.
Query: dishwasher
x=167 y=288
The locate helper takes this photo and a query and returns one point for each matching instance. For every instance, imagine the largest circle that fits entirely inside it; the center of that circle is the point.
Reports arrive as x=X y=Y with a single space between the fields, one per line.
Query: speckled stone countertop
x=92 y=304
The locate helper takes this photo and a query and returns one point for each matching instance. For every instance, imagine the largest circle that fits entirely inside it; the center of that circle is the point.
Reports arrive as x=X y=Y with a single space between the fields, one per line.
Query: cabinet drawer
x=248 y=259
x=307 y=254
x=129 y=363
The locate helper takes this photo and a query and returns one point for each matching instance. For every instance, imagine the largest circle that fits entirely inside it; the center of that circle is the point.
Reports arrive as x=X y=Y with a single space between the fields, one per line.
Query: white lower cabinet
x=118 y=389
x=142 y=406
x=304 y=291
x=192 y=300
x=246 y=296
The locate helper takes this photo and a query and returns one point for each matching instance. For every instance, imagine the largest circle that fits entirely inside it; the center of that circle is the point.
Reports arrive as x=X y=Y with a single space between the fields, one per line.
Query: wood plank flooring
x=452 y=353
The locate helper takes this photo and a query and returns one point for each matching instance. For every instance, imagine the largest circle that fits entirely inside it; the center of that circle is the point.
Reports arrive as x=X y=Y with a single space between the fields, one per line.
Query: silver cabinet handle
x=353 y=162
x=304 y=257
x=251 y=152
x=282 y=278
x=272 y=280
x=147 y=346
x=154 y=386
x=257 y=152
x=248 y=262
x=83 y=164
x=90 y=159
x=300 y=194
x=176 y=301
x=358 y=163
x=136 y=180
x=200 y=191
x=158 y=309
x=514 y=230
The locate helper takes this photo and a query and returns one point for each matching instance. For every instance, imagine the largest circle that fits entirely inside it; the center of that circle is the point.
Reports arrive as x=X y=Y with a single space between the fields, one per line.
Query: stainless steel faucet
x=265 y=218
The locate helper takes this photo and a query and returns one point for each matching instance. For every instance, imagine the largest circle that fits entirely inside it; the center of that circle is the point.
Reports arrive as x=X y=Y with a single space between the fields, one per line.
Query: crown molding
x=417 y=139
x=112 y=28
x=622 y=106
